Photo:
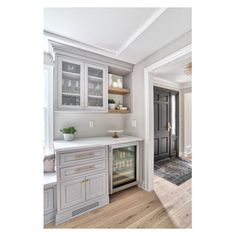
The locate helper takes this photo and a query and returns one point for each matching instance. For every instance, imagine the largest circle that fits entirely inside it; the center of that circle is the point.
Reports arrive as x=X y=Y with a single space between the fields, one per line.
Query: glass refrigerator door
x=124 y=166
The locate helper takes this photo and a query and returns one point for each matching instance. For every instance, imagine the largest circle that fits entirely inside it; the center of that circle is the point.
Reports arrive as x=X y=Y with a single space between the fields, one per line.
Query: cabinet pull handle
x=85 y=168
x=83 y=156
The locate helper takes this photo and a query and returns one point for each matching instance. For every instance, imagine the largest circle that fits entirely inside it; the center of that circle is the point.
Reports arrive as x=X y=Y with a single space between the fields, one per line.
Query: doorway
x=166 y=117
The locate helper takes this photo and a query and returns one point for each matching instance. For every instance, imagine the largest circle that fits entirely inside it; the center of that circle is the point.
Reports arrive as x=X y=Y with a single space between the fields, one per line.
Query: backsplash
x=101 y=123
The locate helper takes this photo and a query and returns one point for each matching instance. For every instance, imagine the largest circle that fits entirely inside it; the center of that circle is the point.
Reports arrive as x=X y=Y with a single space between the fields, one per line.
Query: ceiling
x=175 y=71
x=128 y=34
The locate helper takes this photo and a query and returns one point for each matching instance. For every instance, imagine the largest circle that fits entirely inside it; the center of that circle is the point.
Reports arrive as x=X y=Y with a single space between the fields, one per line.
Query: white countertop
x=49 y=178
x=61 y=145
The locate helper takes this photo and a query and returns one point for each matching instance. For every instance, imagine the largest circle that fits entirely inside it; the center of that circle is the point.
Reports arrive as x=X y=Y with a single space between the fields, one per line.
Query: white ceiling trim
x=74 y=43
x=112 y=53
x=141 y=29
x=186 y=85
x=162 y=82
x=180 y=53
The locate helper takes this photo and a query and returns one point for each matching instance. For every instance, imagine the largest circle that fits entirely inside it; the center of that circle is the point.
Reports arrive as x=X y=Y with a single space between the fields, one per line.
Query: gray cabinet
x=82 y=182
x=80 y=85
x=72 y=192
x=49 y=203
x=96 y=185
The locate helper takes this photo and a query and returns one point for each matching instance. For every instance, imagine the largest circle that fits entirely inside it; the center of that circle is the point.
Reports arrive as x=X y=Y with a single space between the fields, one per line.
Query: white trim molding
x=162 y=82
x=74 y=43
x=149 y=82
x=141 y=29
x=104 y=51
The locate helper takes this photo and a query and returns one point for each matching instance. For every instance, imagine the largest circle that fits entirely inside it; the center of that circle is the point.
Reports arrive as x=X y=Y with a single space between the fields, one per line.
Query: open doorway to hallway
x=172 y=121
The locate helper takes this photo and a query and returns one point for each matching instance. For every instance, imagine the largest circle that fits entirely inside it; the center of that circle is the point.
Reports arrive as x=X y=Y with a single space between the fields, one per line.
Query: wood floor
x=169 y=206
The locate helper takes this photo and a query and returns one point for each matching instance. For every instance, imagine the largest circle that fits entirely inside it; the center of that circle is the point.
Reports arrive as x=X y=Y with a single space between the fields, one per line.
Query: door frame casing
x=149 y=82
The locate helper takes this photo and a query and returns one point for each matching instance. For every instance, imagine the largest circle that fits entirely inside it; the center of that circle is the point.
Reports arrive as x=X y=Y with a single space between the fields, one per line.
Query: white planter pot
x=112 y=106
x=68 y=137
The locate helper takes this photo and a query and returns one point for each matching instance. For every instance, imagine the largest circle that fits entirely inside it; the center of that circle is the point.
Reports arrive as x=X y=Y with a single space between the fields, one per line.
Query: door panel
x=72 y=192
x=96 y=87
x=70 y=83
x=48 y=200
x=163 y=116
x=96 y=185
x=161 y=119
x=165 y=112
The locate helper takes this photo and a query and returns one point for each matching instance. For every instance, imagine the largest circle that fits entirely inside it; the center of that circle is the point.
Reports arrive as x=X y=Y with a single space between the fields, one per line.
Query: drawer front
x=48 y=200
x=81 y=169
x=72 y=158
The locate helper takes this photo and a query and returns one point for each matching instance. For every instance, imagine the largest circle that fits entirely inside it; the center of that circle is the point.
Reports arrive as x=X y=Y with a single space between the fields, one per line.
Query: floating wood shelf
x=119 y=111
x=120 y=91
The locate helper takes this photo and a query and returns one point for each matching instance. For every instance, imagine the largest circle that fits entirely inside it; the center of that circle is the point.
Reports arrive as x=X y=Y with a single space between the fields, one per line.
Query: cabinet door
x=96 y=185
x=70 y=83
x=96 y=87
x=48 y=200
x=72 y=192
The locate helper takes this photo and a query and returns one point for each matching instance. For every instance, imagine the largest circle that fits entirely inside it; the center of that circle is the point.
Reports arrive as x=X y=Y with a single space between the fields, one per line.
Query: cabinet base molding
x=50 y=217
x=88 y=206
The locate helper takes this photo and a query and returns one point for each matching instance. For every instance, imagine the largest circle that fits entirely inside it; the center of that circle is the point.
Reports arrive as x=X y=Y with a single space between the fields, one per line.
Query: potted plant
x=68 y=133
x=111 y=104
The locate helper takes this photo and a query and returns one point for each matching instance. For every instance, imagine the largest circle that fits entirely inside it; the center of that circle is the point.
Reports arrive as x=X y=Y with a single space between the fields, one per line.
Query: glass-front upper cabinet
x=70 y=84
x=80 y=86
x=95 y=85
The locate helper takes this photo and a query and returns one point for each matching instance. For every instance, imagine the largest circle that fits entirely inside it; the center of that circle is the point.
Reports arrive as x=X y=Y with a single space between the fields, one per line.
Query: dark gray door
x=165 y=113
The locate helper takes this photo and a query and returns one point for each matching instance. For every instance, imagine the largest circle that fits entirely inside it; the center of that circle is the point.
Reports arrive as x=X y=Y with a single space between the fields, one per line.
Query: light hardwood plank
x=168 y=206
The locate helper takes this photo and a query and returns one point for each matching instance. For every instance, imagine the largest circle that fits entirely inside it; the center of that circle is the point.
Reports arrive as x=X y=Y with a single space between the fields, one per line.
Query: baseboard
x=66 y=215
x=50 y=217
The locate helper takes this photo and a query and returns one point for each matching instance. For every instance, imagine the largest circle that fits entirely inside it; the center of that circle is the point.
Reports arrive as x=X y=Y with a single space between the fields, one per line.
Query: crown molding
x=186 y=85
x=141 y=29
x=74 y=43
x=162 y=82
x=110 y=53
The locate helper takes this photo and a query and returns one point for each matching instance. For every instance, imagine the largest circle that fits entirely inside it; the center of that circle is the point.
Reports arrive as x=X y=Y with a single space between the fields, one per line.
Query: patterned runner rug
x=175 y=170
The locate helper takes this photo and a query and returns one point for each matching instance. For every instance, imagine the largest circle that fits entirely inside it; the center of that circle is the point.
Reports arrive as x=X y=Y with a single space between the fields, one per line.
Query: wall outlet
x=133 y=123
x=90 y=124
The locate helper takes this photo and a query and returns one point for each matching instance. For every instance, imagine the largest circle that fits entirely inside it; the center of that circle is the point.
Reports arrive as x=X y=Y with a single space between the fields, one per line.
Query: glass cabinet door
x=124 y=165
x=70 y=84
x=95 y=85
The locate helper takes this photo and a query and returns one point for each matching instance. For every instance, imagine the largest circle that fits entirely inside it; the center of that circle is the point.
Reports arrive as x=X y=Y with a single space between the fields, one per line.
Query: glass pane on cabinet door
x=70 y=84
x=124 y=166
x=95 y=87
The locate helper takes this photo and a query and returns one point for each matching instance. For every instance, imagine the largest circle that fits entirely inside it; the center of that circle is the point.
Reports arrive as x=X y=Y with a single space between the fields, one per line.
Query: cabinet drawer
x=81 y=169
x=81 y=156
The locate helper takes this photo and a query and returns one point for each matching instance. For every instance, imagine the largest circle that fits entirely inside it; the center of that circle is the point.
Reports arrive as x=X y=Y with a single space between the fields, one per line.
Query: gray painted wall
x=138 y=83
x=102 y=123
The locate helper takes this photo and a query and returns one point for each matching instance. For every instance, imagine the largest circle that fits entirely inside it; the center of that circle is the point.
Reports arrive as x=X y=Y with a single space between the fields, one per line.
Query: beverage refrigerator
x=123 y=166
